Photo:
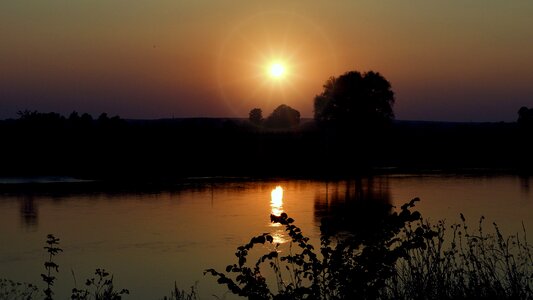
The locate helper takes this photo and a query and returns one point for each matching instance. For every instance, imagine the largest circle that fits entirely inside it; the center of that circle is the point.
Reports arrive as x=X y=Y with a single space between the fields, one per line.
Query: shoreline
x=73 y=185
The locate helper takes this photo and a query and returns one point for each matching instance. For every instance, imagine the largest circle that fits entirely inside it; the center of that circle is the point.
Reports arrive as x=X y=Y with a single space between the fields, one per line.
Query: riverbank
x=158 y=150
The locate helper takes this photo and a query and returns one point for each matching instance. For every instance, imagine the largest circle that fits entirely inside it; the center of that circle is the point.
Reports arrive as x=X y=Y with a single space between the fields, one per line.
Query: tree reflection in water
x=355 y=207
x=28 y=212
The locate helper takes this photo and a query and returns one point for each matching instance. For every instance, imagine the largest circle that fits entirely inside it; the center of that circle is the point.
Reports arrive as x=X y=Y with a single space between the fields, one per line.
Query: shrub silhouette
x=283 y=116
x=256 y=116
x=347 y=270
x=410 y=259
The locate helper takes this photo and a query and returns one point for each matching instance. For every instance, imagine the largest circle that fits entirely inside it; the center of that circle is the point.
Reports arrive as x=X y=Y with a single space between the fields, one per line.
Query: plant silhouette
x=347 y=269
x=410 y=259
x=102 y=286
x=256 y=116
x=53 y=249
x=283 y=116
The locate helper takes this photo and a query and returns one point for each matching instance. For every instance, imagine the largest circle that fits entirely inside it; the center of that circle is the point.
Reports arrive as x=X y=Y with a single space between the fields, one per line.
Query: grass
x=473 y=265
x=403 y=257
x=178 y=294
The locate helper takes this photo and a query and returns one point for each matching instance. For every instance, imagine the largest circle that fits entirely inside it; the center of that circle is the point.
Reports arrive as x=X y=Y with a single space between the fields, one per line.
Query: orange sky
x=446 y=60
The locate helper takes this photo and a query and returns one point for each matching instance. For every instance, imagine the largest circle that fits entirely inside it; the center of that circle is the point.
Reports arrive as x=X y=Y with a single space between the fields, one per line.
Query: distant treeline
x=113 y=148
x=352 y=132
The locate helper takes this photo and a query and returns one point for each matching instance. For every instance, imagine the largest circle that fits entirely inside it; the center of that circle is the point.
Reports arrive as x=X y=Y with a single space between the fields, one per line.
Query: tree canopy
x=525 y=117
x=283 y=116
x=355 y=99
x=256 y=116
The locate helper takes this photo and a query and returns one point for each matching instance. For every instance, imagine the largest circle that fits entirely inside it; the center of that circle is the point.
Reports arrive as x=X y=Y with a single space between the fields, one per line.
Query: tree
x=86 y=118
x=283 y=116
x=41 y=120
x=525 y=117
x=74 y=117
x=354 y=100
x=256 y=116
x=103 y=118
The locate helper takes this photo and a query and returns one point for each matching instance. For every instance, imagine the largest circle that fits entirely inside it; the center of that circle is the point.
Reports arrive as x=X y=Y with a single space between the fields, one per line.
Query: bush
x=11 y=290
x=409 y=259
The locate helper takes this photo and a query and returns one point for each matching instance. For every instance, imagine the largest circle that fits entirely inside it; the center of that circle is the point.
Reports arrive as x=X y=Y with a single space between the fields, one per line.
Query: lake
x=149 y=240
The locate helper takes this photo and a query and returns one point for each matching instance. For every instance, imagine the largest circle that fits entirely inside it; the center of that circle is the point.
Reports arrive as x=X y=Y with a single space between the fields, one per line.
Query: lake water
x=150 y=240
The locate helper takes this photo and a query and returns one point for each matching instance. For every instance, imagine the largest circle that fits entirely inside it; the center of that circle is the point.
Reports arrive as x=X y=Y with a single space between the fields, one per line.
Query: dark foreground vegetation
x=401 y=257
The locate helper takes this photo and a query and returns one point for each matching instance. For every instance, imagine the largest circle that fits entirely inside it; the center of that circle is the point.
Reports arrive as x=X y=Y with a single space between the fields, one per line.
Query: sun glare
x=277 y=70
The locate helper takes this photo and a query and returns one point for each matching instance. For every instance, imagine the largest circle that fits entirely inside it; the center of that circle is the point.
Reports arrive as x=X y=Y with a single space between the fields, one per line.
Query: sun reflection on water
x=276 y=205
x=279 y=237
x=276 y=202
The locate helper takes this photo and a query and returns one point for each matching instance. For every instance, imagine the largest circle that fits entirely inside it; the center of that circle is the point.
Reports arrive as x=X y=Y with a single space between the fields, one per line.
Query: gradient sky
x=453 y=60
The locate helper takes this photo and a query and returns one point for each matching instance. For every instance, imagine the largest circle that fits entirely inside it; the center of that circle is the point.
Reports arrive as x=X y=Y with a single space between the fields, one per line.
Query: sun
x=277 y=70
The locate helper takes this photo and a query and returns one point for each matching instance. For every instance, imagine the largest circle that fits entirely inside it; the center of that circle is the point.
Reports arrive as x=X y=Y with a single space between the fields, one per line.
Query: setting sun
x=277 y=70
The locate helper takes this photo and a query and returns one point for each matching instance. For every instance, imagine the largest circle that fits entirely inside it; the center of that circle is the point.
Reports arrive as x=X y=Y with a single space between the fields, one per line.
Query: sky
x=454 y=60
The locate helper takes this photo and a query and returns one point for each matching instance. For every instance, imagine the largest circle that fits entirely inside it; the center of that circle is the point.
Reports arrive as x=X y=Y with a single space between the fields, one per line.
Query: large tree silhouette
x=355 y=99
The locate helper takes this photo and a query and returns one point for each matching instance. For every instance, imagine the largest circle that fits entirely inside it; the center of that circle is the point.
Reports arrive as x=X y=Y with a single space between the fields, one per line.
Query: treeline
x=111 y=147
x=353 y=131
x=114 y=148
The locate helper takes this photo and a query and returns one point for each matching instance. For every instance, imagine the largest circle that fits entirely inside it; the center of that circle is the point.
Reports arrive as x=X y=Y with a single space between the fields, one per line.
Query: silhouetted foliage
x=86 y=118
x=409 y=259
x=525 y=117
x=112 y=148
x=37 y=120
x=53 y=250
x=283 y=116
x=103 y=118
x=178 y=294
x=256 y=116
x=41 y=121
x=102 y=284
x=351 y=269
x=99 y=288
x=10 y=289
x=354 y=100
x=74 y=116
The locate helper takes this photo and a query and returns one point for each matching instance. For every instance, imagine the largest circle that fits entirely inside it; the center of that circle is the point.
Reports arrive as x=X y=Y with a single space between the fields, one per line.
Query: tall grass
x=179 y=294
x=471 y=265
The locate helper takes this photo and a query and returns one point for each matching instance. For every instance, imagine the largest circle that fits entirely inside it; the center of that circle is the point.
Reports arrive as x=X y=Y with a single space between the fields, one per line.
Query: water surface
x=150 y=240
